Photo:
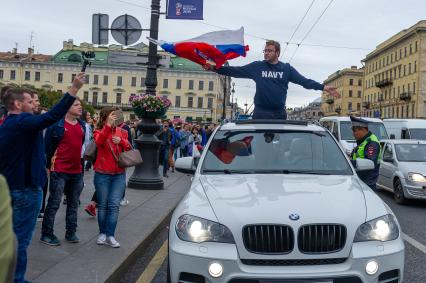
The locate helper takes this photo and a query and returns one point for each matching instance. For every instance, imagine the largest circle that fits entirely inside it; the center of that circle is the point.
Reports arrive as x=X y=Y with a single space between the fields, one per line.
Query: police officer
x=368 y=147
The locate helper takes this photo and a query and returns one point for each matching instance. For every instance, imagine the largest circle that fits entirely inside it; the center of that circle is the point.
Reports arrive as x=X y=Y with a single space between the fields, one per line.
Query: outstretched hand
x=332 y=91
x=77 y=83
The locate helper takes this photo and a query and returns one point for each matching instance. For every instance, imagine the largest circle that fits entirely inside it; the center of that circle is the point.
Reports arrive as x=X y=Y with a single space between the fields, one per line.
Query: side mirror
x=392 y=136
x=185 y=165
x=364 y=164
x=388 y=159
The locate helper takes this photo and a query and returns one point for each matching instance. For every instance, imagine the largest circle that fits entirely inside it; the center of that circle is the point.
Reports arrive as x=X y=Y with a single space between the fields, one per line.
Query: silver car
x=403 y=169
x=280 y=202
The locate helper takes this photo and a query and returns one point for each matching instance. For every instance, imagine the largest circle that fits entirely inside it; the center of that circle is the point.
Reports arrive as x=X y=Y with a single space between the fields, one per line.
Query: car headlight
x=382 y=229
x=195 y=229
x=416 y=177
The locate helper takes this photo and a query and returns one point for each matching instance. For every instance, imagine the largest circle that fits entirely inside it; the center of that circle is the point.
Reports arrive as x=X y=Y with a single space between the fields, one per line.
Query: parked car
x=341 y=128
x=279 y=201
x=403 y=169
x=406 y=128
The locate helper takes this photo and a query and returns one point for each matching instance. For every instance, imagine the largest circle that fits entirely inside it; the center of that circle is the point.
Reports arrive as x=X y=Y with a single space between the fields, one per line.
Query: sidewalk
x=89 y=262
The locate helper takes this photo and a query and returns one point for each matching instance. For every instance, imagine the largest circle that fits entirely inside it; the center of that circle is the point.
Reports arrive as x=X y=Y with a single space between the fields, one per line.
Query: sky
x=357 y=25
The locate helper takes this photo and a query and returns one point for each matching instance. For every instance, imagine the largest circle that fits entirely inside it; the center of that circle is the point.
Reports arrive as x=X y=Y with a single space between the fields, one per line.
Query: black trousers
x=262 y=113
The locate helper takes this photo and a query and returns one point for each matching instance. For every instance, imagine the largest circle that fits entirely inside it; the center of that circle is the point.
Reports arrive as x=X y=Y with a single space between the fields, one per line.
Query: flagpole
x=151 y=74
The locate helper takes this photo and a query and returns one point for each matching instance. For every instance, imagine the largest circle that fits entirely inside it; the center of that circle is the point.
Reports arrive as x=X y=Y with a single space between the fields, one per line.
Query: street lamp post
x=232 y=103
x=146 y=175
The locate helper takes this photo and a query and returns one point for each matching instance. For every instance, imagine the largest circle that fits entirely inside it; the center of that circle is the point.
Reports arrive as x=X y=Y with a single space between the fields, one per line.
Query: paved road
x=152 y=266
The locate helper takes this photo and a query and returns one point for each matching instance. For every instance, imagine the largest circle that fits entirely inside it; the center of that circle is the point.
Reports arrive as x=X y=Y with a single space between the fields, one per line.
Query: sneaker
x=50 y=240
x=124 y=202
x=71 y=237
x=91 y=209
x=111 y=241
x=40 y=217
x=101 y=239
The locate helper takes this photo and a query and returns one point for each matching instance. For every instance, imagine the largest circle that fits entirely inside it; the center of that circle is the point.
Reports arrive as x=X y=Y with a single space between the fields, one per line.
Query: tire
x=398 y=192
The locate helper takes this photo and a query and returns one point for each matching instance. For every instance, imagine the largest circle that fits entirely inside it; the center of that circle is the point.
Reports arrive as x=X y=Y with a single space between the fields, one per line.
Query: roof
x=412 y=122
x=346 y=118
x=404 y=141
x=68 y=57
x=284 y=125
x=179 y=63
x=24 y=57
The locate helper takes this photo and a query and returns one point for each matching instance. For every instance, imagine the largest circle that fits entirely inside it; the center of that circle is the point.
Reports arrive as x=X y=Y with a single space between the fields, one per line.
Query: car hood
x=415 y=167
x=238 y=200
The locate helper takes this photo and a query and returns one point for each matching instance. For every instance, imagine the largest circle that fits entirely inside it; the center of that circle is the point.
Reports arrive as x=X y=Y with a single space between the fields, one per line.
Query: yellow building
x=349 y=84
x=117 y=73
x=394 y=80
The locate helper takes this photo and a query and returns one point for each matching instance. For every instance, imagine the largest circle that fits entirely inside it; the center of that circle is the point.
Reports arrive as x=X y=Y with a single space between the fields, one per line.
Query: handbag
x=91 y=152
x=127 y=158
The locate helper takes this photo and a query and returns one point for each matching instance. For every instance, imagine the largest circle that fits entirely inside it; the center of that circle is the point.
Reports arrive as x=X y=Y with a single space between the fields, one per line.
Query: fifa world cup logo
x=178 y=9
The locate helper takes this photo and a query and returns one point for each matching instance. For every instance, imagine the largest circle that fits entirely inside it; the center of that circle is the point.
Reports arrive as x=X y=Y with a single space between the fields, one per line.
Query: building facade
x=117 y=73
x=312 y=112
x=395 y=76
x=349 y=84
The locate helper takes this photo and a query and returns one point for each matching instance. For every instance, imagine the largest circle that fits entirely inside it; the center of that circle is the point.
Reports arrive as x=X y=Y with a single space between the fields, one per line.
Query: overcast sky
x=348 y=23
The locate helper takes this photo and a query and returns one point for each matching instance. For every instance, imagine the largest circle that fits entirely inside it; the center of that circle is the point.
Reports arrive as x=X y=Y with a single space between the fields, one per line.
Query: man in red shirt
x=64 y=141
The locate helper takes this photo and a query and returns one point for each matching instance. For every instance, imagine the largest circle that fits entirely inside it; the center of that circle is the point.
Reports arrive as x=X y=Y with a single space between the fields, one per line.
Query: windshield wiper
x=285 y=171
x=228 y=171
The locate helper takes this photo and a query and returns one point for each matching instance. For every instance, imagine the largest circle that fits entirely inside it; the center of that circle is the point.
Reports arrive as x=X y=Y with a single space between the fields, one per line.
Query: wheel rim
x=398 y=192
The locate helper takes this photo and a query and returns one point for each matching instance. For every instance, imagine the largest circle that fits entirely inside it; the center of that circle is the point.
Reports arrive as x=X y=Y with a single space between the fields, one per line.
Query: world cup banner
x=185 y=9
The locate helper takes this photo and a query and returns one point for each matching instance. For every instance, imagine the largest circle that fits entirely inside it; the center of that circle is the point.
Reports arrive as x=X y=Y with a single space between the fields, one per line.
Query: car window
x=411 y=152
x=376 y=128
x=271 y=151
x=335 y=131
x=418 y=134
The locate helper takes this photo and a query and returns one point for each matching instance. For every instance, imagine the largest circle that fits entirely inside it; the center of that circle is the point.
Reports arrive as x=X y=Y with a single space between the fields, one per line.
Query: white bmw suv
x=279 y=202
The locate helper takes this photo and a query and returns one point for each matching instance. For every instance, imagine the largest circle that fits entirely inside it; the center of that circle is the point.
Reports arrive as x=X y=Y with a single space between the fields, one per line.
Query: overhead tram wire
x=260 y=37
x=310 y=30
x=298 y=26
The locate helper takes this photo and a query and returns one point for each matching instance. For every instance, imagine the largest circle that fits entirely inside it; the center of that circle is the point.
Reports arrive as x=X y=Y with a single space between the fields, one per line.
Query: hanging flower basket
x=149 y=106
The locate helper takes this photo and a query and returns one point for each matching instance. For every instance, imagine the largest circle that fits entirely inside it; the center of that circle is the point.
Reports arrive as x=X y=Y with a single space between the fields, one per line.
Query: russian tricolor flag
x=217 y=47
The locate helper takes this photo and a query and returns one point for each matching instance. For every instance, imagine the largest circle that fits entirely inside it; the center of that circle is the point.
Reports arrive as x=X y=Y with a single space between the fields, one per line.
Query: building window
x=105 y=82
x=133 y=81
x=95 y=97
x=400 y=53
x=211 y=85
x=191 y=84
x=177 y=101
x=72 y=77
x=86 y=96
x=404 y=70
x=201 y=85
x=12 y=75
x=1 y=74
x=350 y=93
x=60 y=77
x=412 y=110
x=143 y=82
x=415 y=47
x=415 y=66
x=95 y=79
x=27 y=75
x=37 y=76
x=359 y=94
x=190 y=101
x=119 y=81
x=411 y=51
x=87 y=79
x=358 y=107
x=359 y=82
x=118 y=98
x=178 y=84
x=391 y=58
x=351 y=82
x=165 y=83
x=104 y=97
x=210 y=102
x=414 y=87
x=409 y=68
x=200 y=102
x=349 y=106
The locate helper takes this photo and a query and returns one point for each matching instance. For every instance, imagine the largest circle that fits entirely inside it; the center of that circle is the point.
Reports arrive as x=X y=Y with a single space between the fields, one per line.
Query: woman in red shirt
x=109 y=180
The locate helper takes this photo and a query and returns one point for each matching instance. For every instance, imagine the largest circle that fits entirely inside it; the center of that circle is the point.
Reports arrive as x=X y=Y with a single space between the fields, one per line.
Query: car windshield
x=411 y=152
x=272 y=151
x=376 y=128
x=418 y=134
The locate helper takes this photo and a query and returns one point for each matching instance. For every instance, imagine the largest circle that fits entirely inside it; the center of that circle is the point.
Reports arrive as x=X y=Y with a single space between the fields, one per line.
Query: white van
x=406 y=128
x=341 y=128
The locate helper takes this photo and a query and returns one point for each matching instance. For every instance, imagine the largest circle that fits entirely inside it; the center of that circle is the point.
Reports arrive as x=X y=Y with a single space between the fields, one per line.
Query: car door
x=387 y=167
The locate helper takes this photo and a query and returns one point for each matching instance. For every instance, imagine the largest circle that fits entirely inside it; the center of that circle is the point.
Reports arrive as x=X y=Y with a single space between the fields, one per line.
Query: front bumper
x=189 y=263
x=414 y=190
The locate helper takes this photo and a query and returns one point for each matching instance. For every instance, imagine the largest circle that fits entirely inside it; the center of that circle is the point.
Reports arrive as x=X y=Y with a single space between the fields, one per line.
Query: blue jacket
x=53 y=137
x=271 y=81
x=22 y=157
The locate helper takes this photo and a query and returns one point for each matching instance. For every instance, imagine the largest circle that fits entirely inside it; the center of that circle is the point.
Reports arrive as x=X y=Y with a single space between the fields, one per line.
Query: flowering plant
x=149 y=105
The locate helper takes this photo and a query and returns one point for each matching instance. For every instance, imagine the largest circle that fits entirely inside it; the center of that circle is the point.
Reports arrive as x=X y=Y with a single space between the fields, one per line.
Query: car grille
x=417 y=193
x=268 y=239
x=292 y=262
x=321 y=238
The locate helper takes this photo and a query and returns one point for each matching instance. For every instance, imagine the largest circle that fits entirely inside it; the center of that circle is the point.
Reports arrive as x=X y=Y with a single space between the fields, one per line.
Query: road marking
x=154 y=265
x=414 y=243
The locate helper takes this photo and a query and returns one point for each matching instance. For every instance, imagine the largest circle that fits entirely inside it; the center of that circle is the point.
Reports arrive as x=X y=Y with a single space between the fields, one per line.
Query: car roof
x=402 y=141
x=411 y=122
x=272 y=125
x=346 y=118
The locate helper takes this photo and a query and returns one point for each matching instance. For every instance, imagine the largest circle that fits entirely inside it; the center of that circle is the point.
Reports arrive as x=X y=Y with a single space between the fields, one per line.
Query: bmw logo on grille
x=294 y=216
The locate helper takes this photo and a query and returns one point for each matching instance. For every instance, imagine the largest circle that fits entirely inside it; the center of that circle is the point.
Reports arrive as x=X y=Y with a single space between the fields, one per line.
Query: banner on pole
x=185 y=9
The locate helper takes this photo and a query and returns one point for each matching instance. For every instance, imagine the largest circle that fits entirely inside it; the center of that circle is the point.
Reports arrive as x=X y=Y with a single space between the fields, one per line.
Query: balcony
x=384 y=83
x=329 y=101
x=406 y=96
x=366 y=105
